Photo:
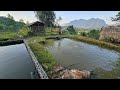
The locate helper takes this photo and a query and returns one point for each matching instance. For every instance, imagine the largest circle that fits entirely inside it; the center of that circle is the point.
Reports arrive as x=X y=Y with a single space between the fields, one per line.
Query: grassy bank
x=94 y=41
x=43 y=56
x=8 y=36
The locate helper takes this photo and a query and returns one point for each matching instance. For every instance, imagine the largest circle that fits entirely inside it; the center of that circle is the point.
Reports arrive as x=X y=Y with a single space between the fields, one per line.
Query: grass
x=8 y=36
x=43 y=56
x=94 y=41
x=24 y=31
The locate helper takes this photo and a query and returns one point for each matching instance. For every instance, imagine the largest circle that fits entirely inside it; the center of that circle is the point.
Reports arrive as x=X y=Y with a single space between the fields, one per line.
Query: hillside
x=7 y=24
x=90 y=23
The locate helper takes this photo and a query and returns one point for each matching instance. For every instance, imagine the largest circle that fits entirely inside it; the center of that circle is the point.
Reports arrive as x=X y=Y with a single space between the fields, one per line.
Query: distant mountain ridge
x=90 y=23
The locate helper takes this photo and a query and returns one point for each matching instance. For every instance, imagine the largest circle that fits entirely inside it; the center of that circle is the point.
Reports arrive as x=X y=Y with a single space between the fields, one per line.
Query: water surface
x=15 y=62
x=84 y=56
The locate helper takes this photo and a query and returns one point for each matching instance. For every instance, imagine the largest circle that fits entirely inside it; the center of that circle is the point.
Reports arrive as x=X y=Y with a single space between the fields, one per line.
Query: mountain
x=90 y=23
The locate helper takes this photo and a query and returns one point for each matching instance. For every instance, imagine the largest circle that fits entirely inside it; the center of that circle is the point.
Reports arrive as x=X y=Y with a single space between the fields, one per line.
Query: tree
x=117 y=17
x=10 y=22
x=10 y=17
x=46 y=17
x=21 y=23
x=21 y=20
x=94 y=34
x=57 y=24
x=27 y=23
x=71 y=30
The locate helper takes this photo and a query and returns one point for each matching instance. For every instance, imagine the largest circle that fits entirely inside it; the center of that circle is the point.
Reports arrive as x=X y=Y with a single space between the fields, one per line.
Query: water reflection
x=15 y=63
x=88 y=57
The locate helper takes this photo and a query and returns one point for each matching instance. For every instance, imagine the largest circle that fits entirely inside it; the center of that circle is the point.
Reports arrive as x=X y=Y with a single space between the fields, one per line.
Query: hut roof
x=36 y=24
x=111 y=28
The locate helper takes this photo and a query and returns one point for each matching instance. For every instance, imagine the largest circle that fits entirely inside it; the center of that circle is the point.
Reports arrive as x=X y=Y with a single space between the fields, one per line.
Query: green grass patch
x=43 y=56
x=8 y=36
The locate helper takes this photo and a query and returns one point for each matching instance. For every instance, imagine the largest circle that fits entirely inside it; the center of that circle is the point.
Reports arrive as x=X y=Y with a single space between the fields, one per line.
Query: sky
x=66 y=16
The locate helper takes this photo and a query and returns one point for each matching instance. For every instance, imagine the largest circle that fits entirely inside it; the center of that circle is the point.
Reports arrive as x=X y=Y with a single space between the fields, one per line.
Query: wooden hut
x=110 y=32
x=37 y=28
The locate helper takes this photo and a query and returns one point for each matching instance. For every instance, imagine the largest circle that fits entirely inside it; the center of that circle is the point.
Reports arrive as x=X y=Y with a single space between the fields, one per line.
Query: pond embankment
x=94 y=42
x=10 y=42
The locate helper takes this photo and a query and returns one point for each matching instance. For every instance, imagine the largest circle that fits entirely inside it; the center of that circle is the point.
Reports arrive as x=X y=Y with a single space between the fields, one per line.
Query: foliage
x=51 y=31
x=94 y=34
x=83 y=34
x=117 y=17
x=9 y=24
x=43 y=56
x=57 y=22
x=8 y=36
x=24 y=31
x=47 y=17
x=71 y=29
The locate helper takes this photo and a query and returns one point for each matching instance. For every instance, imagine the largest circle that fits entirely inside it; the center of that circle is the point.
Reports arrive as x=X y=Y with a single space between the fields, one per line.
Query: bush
x=24 y=31
x=83 y=34
x=71 y=30
x=94 y=34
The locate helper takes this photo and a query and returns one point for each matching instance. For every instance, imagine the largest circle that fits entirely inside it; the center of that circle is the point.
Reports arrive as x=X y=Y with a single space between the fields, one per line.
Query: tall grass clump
x=43 y=56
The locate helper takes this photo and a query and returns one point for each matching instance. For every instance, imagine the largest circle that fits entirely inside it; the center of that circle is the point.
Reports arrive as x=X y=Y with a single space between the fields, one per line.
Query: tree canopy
x=71 y=30
x=9 y=24
x=46 y=17
x=117 y=17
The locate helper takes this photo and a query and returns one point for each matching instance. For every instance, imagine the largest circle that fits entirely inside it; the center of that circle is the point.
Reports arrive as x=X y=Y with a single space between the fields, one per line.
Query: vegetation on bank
x=9 y=24
x=11 y=35
x=8 y=36
x=43 y=56
x=94 y=41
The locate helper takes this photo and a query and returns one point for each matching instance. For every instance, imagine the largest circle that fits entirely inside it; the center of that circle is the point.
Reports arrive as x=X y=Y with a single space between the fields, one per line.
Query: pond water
x=15 y=63
x=85 y=56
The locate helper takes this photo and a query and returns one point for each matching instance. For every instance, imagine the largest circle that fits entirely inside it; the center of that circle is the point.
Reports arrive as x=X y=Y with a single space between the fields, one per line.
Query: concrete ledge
x=39 y=68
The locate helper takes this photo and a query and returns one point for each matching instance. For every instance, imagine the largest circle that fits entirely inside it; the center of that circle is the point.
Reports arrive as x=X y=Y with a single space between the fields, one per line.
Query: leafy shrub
x=71 y=30
x=83 y=34
x=94 y=34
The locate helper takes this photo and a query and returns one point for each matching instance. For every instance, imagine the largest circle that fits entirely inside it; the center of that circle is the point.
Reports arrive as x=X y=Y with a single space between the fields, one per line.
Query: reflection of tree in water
x=112 y=74
x=59 y=50
x=50 y=43
x=59 y=45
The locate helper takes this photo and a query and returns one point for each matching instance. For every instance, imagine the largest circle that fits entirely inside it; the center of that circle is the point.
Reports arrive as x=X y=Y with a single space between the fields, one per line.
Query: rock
x=77 y=74
x=62 y=73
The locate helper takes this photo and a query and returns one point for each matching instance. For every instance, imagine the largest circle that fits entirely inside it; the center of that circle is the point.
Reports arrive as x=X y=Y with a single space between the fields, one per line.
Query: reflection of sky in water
x=15 y=62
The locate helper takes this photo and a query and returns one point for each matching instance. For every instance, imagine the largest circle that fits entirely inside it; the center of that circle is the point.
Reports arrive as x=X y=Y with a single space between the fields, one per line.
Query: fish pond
x=104 y=63
x=16 y=63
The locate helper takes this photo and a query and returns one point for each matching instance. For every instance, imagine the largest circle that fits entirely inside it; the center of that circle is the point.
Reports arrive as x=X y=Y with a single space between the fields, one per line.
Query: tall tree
x=117 y=17
x=21 y=20
x=10 y=22
x=27 y=23
x=47 y=17
x=10 y=17
x=71 y=29
x=58 y=21
x=57 y=24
